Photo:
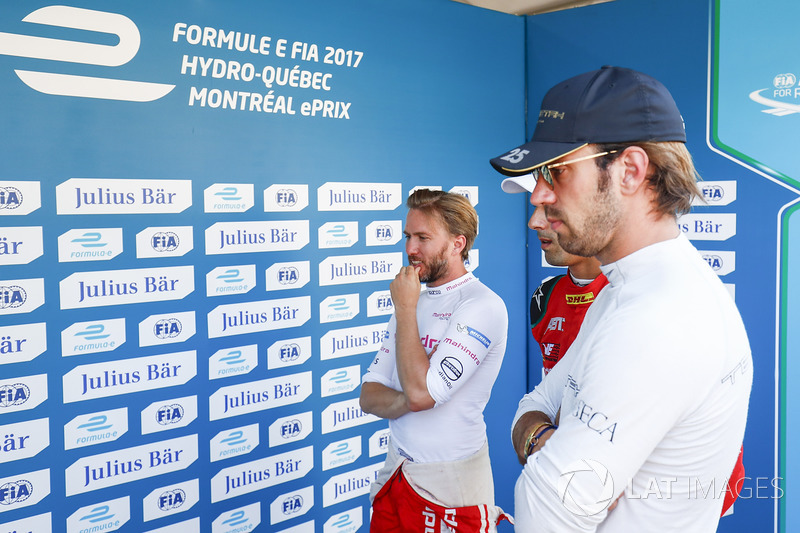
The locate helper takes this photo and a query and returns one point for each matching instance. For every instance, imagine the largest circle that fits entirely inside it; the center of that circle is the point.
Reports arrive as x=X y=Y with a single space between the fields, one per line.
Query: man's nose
x=543 y=193
x=538 y=220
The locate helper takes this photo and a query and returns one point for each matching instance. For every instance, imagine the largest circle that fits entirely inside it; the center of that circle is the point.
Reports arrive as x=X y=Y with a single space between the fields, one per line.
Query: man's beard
x=592 y=237
x=435 y=268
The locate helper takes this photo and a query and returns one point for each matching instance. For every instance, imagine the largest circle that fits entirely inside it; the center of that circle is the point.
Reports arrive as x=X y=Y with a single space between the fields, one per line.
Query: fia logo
x=165 y=241
x=291 y=428
x=171 y=499
x=290 y=352
x=463 y=192
x=713 y=193
x=384 y=303
x=383 y=233
x=167 y=328
x=12 y=296
x=286 y=197
x=169 y=414
x=288 y=276
x=126 y=45
x=13 y=395
x=15 y=492
x=292 y=504
x=10 y=198
x=783 y=87
x=714 y=261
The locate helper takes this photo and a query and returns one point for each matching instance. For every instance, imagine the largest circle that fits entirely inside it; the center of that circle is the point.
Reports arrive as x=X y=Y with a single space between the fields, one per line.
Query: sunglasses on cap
x=544 y=170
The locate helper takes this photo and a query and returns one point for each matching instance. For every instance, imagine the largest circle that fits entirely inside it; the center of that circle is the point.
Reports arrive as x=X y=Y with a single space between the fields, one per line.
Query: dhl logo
x=578 y=299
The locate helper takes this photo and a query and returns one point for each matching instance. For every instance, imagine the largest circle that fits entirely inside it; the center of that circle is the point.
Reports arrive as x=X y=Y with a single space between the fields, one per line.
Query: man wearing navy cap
x=653 y=393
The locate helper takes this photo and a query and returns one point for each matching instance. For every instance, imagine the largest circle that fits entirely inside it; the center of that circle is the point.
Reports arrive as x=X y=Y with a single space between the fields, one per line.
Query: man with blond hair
x=433 y=376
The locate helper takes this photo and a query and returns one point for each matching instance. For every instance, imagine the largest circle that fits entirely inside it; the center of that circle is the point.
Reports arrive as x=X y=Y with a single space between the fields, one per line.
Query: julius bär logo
x=165 y=241
x=782 y=98
x=171 y=499
x=10 y=198
x=120 y=53
x=167 y=328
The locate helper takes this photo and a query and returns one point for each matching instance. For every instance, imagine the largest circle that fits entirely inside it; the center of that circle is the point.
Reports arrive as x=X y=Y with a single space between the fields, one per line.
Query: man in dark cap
x=653 y=393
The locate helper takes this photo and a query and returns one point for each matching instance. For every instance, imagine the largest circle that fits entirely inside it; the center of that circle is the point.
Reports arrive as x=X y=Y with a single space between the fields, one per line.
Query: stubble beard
x=594 y=233
x=435 y=268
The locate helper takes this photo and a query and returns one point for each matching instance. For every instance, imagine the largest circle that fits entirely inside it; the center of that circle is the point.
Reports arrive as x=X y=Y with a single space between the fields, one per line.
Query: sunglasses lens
x=546 y=175
x=543 y=172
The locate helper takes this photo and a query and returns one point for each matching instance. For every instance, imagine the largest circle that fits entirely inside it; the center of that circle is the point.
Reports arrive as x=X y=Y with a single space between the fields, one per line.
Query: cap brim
x=525 y=158
x=522 y=183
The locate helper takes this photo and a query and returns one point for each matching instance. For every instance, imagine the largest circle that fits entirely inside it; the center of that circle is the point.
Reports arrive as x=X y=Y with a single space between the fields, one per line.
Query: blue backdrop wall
x=202 y=207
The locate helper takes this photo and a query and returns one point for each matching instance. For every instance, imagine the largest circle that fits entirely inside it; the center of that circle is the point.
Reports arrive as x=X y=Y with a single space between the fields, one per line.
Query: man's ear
x=458 y=244
x=635 y=163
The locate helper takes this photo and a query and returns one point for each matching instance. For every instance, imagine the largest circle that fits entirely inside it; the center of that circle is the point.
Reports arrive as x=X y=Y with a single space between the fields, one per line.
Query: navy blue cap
x=609 y=105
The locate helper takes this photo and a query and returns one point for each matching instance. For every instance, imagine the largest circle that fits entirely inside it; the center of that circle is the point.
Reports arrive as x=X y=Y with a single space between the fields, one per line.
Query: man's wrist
x=536 y=433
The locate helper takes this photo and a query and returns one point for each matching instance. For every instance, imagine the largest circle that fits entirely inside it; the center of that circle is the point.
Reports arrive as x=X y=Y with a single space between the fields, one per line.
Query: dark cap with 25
x=609 y=105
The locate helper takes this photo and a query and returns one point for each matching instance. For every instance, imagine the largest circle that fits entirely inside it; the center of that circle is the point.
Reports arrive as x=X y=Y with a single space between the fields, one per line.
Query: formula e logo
x=286 y=197
x=165 y=241
x=167 y=328
x=10 y=198
x=15 y=492
x=171 y=499
x=13 y=395
x=169 y=414
x=12 y=296
x=86 y=53
x=291 y=428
